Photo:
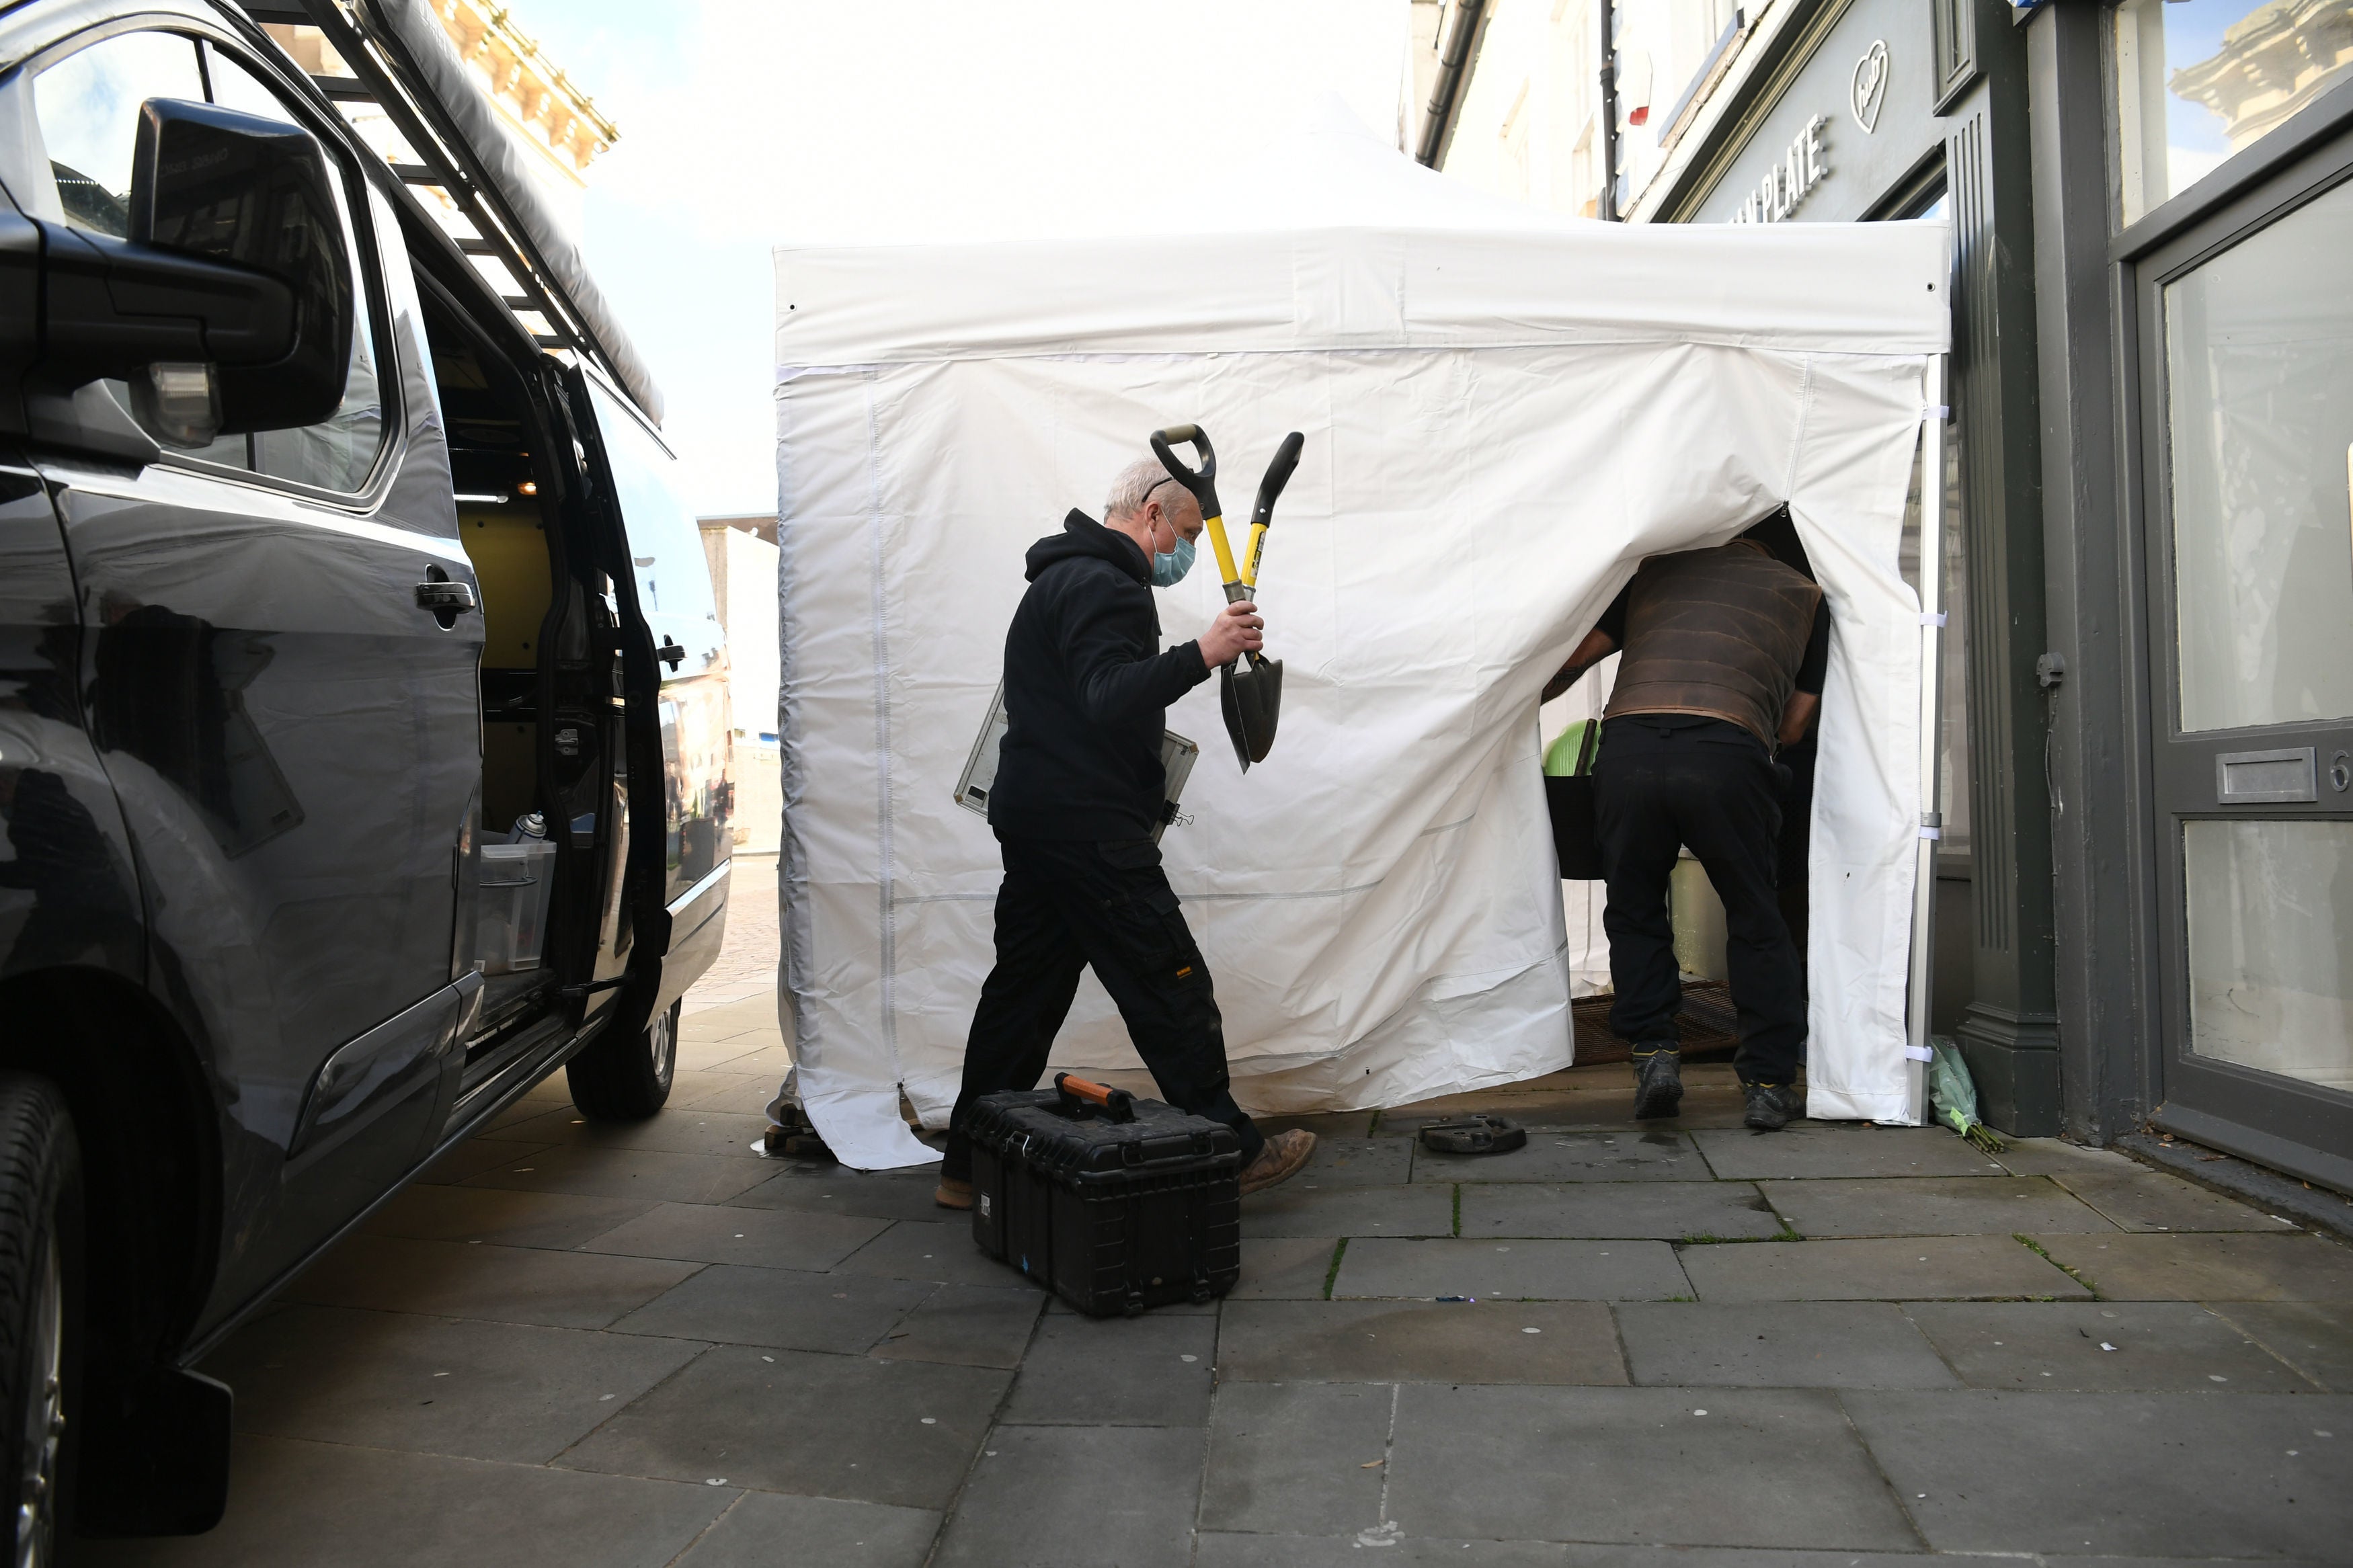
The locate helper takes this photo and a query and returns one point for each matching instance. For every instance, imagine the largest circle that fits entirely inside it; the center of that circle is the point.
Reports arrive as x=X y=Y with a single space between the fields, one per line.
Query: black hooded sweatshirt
x=1086 y=692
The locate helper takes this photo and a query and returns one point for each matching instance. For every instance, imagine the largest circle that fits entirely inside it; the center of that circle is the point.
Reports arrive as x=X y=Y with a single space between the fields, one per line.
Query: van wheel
x=40 y=1313
x=627 y=1079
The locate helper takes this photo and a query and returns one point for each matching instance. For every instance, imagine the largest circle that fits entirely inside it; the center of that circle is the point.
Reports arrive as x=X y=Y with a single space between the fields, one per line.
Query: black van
x=363 y=737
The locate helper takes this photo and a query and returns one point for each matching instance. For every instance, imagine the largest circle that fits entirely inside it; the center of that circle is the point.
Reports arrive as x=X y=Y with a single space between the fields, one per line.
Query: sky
x=750 y=124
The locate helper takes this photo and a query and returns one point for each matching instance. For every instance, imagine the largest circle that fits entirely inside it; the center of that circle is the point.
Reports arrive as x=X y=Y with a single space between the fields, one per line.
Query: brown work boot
x=952 y=1194
x=1282 y=1158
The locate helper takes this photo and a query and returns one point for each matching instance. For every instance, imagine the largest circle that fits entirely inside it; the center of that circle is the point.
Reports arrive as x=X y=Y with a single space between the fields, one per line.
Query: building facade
x=544 y=112
x=2145 y=893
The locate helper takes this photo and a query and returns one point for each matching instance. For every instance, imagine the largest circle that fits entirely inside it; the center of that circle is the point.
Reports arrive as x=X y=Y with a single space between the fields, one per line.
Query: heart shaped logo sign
x=1869 y=86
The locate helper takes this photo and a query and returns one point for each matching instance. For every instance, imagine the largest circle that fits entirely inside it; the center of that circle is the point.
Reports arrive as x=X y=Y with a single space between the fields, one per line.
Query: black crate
x=1114 y=1204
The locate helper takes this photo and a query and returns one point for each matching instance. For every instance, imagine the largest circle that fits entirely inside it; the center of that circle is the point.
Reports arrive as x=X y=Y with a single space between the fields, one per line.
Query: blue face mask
x=1170 y=569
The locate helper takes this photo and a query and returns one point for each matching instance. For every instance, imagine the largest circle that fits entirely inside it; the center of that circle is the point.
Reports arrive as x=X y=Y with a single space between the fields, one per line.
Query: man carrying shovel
x=1077 y=796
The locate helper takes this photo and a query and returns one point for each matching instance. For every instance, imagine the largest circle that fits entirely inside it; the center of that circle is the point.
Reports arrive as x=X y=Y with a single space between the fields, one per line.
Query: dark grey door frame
x=2106 y=841
x=2298 y=1126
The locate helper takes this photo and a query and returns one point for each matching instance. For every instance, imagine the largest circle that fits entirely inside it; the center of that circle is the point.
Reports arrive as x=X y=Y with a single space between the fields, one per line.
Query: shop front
x=2193 y=163
x=1882 y=109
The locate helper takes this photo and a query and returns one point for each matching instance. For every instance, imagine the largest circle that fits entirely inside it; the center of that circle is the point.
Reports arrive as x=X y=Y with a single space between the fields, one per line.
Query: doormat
x=1707 y=1020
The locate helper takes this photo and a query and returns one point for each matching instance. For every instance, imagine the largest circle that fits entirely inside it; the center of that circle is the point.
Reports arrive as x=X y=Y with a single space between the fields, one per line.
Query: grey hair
x=1134 y=486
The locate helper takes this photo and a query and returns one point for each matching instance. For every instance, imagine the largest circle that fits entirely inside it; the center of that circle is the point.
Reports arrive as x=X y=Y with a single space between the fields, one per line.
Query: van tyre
x=626 y=1078
x=40 y=1314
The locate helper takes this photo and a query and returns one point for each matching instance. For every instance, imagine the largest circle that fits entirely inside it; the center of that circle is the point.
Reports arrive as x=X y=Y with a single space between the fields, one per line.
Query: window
x=2259 y=373
x=337 y=453
x=665 y=544
x=88 y=108
x=2199 y=79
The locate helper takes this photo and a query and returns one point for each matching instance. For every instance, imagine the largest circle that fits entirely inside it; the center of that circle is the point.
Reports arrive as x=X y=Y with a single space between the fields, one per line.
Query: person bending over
x=1078 y=792
x=1726 y=651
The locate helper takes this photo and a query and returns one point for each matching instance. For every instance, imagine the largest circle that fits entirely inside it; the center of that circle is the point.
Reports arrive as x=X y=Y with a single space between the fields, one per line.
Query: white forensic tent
x=1505 y=412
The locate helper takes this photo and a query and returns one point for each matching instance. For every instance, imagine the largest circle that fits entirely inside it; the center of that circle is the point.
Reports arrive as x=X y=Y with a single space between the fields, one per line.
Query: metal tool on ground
x=1477 y=1134
x=1250 y=687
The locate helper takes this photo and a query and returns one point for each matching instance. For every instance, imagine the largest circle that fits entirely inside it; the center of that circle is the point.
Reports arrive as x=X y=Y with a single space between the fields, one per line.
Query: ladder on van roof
x=557 y=314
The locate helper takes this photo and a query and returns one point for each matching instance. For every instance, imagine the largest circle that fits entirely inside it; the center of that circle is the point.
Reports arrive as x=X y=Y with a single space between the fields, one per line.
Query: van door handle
x=446 y=599
x=671 y=653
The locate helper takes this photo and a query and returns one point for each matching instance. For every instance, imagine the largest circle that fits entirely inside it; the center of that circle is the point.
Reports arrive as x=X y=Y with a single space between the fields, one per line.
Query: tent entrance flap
x=1535 y=406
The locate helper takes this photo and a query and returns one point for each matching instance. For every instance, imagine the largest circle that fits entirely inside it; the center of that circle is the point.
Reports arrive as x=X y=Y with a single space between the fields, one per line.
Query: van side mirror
x=256 y=193
x=229 y=307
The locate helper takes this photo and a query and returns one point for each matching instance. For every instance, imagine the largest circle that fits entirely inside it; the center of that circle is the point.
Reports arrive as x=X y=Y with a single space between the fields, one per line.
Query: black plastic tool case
x=1116 y=1204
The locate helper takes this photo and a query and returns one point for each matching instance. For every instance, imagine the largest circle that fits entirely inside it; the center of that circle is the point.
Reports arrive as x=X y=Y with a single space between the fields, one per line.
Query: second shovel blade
x=1252 y=698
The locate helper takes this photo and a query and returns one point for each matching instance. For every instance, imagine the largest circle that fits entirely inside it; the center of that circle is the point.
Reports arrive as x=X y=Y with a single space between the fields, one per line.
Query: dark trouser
x=1062 y=907
x=1711 y=788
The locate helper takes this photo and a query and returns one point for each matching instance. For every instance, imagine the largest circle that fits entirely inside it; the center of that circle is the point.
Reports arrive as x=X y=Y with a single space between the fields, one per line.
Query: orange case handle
x=1081 y=1088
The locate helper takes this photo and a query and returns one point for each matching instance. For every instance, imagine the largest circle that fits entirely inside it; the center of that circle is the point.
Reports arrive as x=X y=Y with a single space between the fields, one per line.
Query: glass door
x=2246 y=348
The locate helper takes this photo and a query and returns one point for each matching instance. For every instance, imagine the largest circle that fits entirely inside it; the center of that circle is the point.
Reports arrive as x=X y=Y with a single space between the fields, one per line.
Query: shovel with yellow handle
x=1250 y=687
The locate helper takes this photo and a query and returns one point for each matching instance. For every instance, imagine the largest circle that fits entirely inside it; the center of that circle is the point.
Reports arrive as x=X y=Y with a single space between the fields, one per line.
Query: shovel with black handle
x=1250 y=687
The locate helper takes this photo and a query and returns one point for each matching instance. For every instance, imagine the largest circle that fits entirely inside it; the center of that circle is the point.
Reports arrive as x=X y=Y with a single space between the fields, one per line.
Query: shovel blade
x=1251 y=696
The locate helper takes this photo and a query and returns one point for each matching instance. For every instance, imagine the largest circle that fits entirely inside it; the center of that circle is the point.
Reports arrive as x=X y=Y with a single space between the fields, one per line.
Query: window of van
x=665 y=545
x=88 y=107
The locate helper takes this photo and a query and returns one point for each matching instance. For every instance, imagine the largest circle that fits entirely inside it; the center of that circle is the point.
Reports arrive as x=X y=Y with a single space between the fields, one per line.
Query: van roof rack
x=402 y=65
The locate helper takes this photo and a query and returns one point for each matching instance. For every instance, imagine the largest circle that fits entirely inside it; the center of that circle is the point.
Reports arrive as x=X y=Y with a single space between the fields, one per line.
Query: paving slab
x=2156 y=1474
x=626 y=1173
x=769 y=1238
x=897 y=1432
x=966 y=1325
x=1297 y=1458
x=523 y=1110
x=2313 y=1337
x=476 y=1155
x=2213 y=1268
x=744 y=1094
x=1284 y=1269
x=2100 y=1347
x=560 y=1220
x=1078 y=1497
x=1588 y=1105
x=825 y=1188
x=778 y=1308
x=1289 y=1210
x=1518 y=1270
x=765 y=1055
x=1355 y=1162
x=1666 y=1211
x=1930 y=1205
x=1148 y=1371
x=1214 y=1549
x=1765 y=1467
x=2146 y=1200
x=763 y=1526
x=476 y=1279
x=1340 y=1124
x=675 y=1129
x=301 y=1503
x=433 y=1385
x=1778 y=1344
x=1565 y=1154
x=1921 y=1269
x=2049 y=1156
x=1422 y=1342
x=925 y=1249
x=1580 y=1556
x=1841 y=1149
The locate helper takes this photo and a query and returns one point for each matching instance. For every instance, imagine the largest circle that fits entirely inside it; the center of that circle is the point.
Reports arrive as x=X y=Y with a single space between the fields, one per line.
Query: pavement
x=1681 y=1344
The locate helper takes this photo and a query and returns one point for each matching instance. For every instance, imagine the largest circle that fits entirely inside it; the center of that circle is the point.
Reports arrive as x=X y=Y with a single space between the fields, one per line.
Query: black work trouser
x=1656 y=791
x=1062 y=907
